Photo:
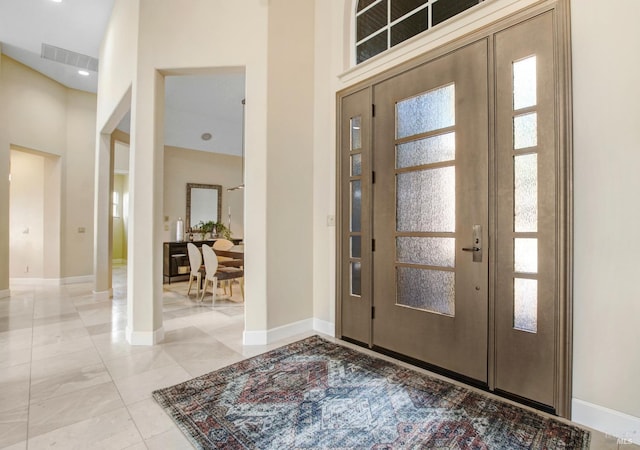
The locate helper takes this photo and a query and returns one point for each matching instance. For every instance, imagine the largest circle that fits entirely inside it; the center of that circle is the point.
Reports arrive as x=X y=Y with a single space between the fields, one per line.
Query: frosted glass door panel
x=356 y=165
x=426 y=200
x=356 y=246
x=426 y=112
x=525 y=307
x=426 y=151
x=426 y=251
x=356 y=141
x=356 y=279
x=524 y=83
x=525 y=131
x=356 y=205
x=526 y=193
x=525 y=255
x=429 y=290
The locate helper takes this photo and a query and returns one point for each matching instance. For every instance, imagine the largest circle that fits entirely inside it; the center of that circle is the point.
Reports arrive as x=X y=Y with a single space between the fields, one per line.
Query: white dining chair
x=195 y=264
x=213 y=273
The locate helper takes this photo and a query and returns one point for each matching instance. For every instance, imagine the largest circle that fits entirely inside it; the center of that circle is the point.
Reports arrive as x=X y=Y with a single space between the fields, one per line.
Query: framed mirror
x=204 y=204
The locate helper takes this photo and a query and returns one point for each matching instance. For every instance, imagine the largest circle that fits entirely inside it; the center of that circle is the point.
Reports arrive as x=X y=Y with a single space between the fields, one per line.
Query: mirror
x=204 y=203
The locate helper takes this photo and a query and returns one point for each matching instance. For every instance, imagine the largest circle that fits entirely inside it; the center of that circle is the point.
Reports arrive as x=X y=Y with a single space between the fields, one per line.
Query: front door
x=454 y=220
x=430 y=264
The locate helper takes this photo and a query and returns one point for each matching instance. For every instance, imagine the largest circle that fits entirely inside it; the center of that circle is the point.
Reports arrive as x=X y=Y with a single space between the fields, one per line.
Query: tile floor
x=69 y=380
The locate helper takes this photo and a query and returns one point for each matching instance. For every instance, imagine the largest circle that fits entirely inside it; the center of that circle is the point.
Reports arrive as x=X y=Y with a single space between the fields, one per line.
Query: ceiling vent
x=68 y=57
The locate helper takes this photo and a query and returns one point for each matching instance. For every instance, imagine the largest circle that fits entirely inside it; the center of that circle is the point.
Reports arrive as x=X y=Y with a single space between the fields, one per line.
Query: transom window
x=381 y=24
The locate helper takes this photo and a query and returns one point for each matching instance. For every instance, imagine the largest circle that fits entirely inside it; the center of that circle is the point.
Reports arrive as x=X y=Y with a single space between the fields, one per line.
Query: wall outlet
x=166 y=227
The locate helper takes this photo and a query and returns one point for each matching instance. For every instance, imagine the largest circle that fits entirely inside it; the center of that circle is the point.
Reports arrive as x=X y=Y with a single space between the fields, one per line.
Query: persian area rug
x=314 y=394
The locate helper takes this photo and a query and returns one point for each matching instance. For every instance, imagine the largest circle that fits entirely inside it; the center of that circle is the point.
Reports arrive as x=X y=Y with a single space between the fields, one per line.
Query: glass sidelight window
x=525 y=215
x=355 y=207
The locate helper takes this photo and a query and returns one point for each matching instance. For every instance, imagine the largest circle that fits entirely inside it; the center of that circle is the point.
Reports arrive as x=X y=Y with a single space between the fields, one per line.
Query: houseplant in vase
x=214 y=229
x=206 y=228
x=222 y=230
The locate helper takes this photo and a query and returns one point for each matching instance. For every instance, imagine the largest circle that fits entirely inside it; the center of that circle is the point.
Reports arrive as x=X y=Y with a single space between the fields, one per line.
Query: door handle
x=476 y=249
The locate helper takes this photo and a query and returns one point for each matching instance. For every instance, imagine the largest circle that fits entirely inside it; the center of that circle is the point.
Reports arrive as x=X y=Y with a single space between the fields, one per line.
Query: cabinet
x=175 y=259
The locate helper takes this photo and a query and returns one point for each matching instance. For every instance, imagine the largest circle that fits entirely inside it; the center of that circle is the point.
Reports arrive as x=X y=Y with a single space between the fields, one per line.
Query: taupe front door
x=430 y=264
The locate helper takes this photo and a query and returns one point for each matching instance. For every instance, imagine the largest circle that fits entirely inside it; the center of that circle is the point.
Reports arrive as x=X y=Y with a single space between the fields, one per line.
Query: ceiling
x=194 y=105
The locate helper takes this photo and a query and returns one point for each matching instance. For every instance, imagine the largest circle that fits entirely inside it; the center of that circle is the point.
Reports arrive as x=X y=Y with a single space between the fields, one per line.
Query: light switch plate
x=331 y=220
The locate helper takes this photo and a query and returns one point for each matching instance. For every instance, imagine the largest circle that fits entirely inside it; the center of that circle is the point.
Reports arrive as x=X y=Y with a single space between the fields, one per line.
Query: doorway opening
x=34 y=211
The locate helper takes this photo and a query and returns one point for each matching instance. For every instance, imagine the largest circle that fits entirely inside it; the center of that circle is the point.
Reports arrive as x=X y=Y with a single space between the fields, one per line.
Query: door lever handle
x=476 y=249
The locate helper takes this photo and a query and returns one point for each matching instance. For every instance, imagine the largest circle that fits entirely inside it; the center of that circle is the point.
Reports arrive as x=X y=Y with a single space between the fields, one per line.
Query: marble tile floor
x=69 y=379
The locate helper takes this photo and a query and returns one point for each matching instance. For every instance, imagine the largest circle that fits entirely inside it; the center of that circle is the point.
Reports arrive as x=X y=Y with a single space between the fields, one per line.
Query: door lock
x=477 y=244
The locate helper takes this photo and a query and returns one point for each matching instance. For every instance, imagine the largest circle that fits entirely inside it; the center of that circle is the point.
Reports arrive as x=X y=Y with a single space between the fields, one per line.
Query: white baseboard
x=78 y=280
x=324 y=327
x=5 y=293
x=35 y=281
x=264 y=337
x=254 y=337
x=118 y=261
x=51 y=281
x=624 y=427
x=103 y=295
x=144 y=337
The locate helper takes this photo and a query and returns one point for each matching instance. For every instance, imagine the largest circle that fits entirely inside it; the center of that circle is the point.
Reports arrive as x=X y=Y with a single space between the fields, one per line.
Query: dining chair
x=215 y=273
x=224 y=244
x=195 y=263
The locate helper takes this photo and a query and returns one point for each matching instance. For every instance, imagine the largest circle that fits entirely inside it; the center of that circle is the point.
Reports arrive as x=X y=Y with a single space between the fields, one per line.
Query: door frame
x=564 y=195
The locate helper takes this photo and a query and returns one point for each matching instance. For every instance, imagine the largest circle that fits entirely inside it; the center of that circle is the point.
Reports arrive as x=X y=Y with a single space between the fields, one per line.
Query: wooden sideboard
x=175 y=257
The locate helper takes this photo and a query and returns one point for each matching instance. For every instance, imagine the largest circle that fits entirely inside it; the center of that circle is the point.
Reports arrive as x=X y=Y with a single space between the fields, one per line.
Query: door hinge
x=373 y=110
x=373 y=177
x=373 y=312
x=373 y=245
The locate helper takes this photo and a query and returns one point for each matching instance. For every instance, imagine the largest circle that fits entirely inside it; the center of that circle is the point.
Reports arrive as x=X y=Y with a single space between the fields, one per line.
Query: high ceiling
x=195 y=105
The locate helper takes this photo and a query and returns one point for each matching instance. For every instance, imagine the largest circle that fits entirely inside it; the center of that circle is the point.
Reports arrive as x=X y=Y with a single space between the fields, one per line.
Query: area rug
x=314 y=394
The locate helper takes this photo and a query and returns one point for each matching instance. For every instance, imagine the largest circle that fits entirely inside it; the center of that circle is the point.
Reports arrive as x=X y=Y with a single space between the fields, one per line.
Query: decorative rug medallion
x=314 y=394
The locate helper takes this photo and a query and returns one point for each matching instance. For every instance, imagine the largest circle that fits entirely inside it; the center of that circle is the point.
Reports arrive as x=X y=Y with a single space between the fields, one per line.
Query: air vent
x=68 y=57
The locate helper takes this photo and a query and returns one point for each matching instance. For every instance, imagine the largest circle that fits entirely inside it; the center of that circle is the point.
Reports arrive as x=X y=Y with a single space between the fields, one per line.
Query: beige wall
x=606 y=70
x=4 y=187
x=78 y=184
x=118 y=58
x=46 y=117
x=182 y=166
x=27 y=215
x=290 y=162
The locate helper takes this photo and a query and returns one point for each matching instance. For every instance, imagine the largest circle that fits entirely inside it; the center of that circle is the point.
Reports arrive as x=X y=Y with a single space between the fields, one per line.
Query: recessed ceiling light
x=206 y=136
x=56 y=1
x=84 y=73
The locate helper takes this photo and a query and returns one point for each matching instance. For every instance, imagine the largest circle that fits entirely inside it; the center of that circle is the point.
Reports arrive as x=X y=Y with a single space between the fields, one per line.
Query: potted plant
x=215 y=229
x=222 y=230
